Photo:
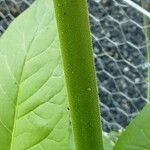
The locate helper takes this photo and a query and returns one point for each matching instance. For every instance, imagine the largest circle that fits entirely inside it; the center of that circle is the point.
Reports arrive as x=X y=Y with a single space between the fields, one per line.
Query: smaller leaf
x=137 y=135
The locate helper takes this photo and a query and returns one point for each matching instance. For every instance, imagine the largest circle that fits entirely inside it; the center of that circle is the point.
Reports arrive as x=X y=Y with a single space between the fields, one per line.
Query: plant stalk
x=76 y=48
x=146 y=5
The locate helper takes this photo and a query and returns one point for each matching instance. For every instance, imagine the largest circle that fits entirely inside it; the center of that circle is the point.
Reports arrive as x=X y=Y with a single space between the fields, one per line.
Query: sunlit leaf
x=33 y=99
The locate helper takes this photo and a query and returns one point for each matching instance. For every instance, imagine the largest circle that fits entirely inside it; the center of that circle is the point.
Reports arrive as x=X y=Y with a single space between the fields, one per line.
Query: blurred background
x=120 y=35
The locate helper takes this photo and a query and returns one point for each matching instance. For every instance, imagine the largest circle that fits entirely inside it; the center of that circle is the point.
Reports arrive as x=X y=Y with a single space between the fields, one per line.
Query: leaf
x=33 y=99
x=137 y=135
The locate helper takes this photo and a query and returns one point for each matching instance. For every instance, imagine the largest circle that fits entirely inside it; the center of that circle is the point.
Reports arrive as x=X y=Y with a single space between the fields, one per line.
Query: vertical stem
x=76 y=48
x=146 y=5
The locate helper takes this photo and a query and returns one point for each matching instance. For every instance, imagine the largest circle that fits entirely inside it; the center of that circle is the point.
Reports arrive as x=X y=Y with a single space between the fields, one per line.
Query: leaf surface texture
x=137 y=135
x=33 y=98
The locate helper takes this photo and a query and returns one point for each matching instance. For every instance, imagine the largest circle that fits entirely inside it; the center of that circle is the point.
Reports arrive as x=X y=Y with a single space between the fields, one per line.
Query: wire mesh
x=121 y=60
x=120 y=54
x=9 y=10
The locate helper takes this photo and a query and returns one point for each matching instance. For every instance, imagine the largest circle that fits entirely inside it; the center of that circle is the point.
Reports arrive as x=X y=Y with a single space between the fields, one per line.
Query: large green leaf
x=137 y=135
x=33 y=99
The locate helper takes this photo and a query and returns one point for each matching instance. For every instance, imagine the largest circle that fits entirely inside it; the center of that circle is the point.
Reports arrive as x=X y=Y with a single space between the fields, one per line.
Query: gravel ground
x=120 y=56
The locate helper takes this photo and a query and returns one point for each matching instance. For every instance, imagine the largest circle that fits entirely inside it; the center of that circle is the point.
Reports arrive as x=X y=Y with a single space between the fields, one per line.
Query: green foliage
x=33 y=99
x=33 y=96
x=137 y=135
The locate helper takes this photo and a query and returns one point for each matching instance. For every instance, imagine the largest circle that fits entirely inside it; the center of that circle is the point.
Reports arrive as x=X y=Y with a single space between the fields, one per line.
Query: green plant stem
x=76 y=48
x=146 y=6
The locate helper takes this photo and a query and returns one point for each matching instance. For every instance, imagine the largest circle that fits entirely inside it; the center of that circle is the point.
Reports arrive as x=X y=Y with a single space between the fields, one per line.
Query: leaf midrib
x=17 y=95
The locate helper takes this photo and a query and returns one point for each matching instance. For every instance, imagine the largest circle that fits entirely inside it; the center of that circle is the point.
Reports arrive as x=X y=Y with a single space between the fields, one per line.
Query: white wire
x=139 y=8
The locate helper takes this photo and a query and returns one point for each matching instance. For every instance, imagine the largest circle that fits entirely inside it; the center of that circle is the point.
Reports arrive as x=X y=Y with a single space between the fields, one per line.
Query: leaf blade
x=32 y=83
x=137 y=135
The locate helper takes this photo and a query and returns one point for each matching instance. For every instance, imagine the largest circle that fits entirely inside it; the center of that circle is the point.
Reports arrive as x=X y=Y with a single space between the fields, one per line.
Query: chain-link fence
x=9 y=10
x=121 y=60
x=120 y=52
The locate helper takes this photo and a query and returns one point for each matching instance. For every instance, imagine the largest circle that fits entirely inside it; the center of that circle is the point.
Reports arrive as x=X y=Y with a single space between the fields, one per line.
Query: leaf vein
x=47 y=101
